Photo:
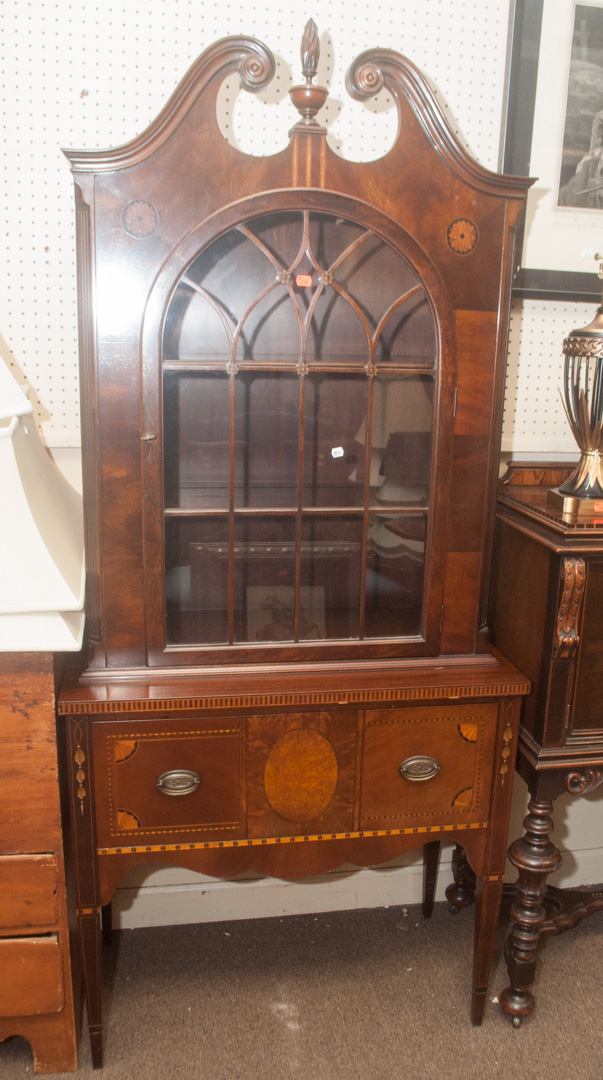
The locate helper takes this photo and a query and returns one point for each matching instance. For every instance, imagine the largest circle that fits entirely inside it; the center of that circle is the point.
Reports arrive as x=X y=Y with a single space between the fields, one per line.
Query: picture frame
x=271 y=611
x=552 y=247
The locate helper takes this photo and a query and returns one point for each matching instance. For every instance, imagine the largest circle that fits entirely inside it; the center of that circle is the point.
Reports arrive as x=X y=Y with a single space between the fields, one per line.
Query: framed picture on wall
x=553 y=130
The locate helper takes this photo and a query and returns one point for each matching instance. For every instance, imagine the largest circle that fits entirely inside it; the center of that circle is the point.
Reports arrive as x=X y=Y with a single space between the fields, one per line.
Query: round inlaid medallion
x=140 y=218
x=300 y=775
x=462 y=236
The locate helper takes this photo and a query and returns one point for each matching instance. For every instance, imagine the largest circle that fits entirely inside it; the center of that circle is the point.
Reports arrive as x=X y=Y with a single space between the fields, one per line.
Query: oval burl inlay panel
x=300 y=775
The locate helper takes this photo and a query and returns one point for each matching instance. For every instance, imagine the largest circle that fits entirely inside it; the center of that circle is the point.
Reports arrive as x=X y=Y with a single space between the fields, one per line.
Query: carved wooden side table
x=546 y=603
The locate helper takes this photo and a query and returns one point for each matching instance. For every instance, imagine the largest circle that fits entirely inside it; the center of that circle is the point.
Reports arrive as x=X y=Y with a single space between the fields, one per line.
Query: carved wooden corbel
x=566 y=639
x=581 y=781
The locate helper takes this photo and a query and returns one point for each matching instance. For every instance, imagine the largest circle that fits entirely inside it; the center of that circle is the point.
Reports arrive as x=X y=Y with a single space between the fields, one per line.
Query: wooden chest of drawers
x=36 y=996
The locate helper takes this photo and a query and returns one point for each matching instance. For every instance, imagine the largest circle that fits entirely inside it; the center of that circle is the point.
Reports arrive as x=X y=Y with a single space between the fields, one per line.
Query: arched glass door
x=299 y=388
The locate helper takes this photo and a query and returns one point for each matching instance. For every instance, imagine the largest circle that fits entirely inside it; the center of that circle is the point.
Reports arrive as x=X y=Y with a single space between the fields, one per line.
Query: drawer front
x=446 y=758
x=31 y=976
x=28 y=895
x=200 y=767
x=302 y=773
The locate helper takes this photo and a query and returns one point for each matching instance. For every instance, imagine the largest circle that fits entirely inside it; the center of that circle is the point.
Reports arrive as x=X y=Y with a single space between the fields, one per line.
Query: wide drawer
x=198 y=765
x=31 y=976
x=428 y=764
x=28 y=886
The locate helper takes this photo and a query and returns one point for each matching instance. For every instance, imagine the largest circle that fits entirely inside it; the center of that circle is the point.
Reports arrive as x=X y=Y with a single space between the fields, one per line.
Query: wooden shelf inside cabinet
x=546 y=602
x=292 y=430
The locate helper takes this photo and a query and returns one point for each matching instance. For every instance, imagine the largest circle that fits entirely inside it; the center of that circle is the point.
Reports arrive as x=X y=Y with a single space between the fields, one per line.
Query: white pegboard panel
x=534 y=417
x=93 y=74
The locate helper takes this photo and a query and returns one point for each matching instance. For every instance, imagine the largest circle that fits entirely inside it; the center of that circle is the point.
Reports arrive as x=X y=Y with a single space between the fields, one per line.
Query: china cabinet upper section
x=291 y=381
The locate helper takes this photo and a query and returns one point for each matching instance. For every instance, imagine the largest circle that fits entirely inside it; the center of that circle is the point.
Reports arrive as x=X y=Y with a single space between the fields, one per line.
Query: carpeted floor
x=358 y=995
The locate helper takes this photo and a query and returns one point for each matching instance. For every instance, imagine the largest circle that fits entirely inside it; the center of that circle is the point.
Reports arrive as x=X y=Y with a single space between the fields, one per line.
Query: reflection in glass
x=195 y=434
x=196 y=580
x=402 y=436
x=395 y=571
x=264 y=579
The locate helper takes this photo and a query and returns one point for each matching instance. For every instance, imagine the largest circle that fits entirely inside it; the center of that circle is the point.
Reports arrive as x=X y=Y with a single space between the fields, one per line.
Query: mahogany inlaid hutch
x=292 y=370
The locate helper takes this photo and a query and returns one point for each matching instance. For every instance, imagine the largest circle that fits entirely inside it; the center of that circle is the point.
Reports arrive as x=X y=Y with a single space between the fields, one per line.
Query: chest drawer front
x=27 y=891
x=31 y=981
x=446 y=754
x=302 y=773
x=199 y=767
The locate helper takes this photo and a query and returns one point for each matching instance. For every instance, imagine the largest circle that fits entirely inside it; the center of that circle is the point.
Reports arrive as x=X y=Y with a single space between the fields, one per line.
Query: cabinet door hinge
x=442 y=619
x=456 y=394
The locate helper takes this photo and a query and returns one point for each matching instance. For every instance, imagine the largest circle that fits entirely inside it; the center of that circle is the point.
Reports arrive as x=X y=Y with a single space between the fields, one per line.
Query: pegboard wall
x=93 y=74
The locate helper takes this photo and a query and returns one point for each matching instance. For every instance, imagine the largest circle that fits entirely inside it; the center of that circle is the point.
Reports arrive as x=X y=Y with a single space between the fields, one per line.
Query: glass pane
x=195 y=433
x=335 y=409
x=194 y=329
x=402 y=437
x=375 y=276
x=281 y=233
x=394 y=575
x=331 y=556
x=271 y=330
x=264 y=579
x=408 y=335
x=234 y=270
x=336 y=333
x=196 y=580
x=330 y=236
x=267 y=432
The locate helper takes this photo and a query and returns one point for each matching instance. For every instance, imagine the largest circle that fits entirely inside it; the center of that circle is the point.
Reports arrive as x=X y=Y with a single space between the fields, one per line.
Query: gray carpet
x=377 y=994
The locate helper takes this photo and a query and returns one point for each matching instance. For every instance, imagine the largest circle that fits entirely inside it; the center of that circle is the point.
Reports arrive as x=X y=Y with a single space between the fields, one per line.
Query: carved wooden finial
x=310 y=51
x=308 y=99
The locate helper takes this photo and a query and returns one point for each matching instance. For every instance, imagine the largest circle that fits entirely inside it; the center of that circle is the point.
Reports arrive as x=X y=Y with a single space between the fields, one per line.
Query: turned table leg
x=535 y=857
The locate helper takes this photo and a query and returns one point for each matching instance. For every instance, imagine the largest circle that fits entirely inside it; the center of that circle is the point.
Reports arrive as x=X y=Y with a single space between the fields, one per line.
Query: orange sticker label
x=303 y=280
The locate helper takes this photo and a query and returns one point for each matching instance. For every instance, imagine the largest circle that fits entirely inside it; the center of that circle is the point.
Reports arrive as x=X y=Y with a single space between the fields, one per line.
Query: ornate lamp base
x=574 y=508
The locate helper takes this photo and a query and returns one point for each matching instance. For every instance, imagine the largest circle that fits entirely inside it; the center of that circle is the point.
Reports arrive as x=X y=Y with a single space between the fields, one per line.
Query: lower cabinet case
x=291 y=791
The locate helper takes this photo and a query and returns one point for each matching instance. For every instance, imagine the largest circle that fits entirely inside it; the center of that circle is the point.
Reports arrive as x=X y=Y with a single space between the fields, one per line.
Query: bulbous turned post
x=535 y=857
x=461 y=892
x=308 y=99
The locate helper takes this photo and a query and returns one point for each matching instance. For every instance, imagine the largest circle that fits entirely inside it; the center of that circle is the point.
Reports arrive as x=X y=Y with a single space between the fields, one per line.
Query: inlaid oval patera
x=300 y=775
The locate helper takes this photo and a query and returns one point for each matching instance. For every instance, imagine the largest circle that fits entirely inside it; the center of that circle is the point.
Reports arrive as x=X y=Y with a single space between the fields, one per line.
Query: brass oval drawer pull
x=419 y=767
x=178 y=782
